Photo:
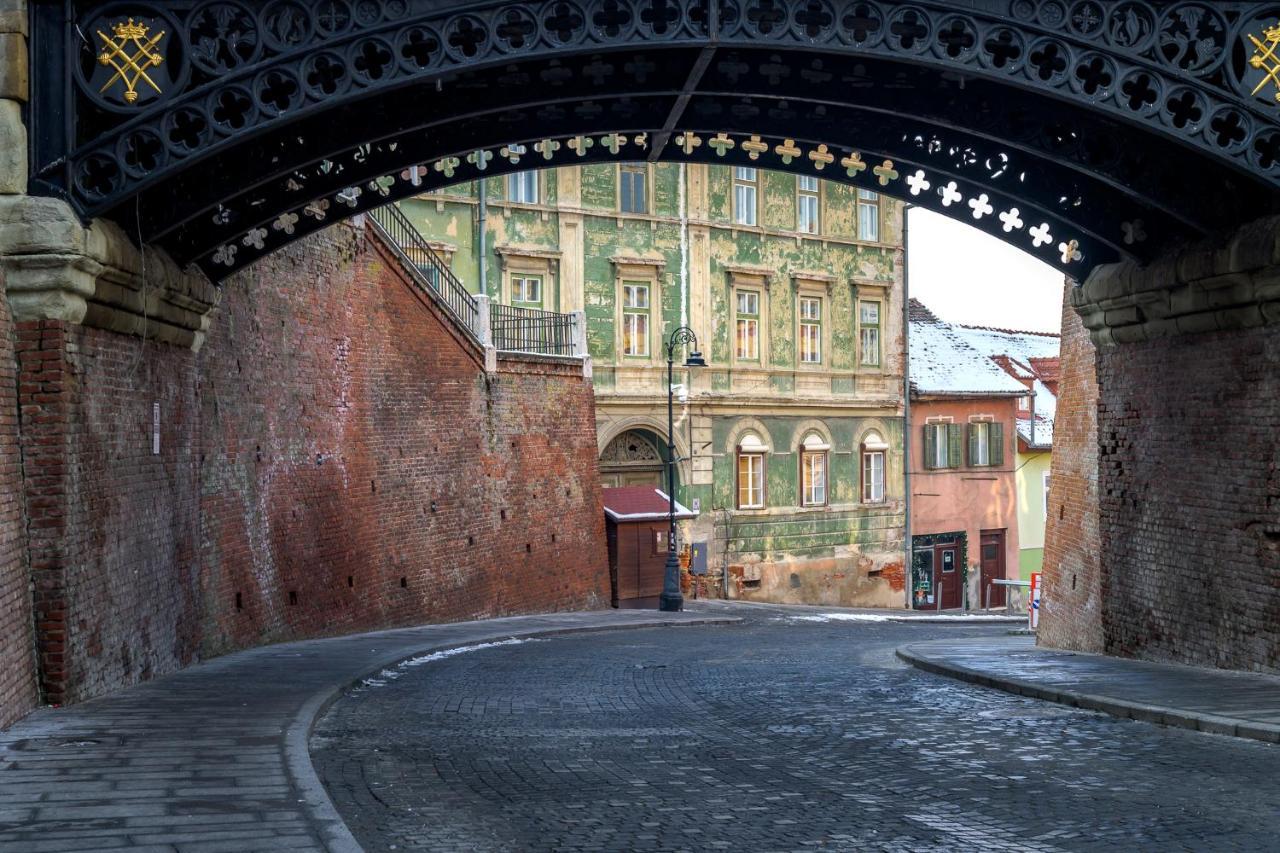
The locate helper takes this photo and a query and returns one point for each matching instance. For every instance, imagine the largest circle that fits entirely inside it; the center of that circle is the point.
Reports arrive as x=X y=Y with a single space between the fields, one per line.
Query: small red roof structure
x=640 y=503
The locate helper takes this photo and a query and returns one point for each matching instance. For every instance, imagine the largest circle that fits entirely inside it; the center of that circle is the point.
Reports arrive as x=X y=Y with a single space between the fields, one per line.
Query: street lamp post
x=671 y=600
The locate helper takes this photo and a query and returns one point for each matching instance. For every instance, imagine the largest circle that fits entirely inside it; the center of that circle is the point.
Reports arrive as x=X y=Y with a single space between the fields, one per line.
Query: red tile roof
x=1046 y=368
x=640 y=503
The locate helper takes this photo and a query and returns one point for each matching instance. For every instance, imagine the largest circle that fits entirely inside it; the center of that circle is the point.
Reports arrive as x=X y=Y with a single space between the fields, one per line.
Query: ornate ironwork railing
x=434 y=273
x=531 y=330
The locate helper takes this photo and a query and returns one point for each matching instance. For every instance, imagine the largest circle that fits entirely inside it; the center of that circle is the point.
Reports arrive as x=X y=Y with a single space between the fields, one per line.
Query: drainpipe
x=482 y=240
x=1033 y=415
x=906 y=407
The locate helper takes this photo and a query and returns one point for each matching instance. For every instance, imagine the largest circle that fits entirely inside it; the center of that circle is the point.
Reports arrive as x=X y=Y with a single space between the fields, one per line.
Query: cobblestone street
x=779 y=734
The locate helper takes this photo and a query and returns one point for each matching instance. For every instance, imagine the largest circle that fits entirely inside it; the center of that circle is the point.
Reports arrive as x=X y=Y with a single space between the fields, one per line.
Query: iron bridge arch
x=1081 y=131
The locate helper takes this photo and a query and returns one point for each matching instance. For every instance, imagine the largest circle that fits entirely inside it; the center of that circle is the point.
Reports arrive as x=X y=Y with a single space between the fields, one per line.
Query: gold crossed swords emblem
x=1265 y=59
x=131 y=54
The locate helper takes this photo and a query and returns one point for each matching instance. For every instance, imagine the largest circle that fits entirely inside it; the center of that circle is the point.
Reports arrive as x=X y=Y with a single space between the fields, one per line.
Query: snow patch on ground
x=389 y=675
x=898 y=617
x=843 y=617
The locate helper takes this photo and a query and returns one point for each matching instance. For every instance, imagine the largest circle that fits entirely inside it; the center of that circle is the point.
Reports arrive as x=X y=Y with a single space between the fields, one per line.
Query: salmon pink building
x=964 y=508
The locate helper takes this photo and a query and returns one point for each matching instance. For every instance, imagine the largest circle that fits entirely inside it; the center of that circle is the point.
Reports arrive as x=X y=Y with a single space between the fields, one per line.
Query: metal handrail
x=532 y=330
x=431 y=269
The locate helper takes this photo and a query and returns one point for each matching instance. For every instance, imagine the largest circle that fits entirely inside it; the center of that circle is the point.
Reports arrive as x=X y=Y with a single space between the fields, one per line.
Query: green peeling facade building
x=789 y=443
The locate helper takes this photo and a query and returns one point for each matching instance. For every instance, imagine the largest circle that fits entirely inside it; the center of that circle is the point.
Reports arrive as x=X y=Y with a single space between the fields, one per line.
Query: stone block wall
x=334 y=459
x=1189 y=494
x=1071 y=606
x=17 y=649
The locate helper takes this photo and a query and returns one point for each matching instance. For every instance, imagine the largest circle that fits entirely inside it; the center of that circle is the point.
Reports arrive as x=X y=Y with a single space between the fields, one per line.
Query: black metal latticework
x=1082 y=131
x=531 y=330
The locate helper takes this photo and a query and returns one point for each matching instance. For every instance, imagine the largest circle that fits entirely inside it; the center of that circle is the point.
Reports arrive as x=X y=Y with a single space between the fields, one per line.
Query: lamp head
x=695 y=359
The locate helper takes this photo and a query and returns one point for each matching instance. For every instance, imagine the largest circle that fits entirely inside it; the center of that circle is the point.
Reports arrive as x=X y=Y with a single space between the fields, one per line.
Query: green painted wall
x=786 y=397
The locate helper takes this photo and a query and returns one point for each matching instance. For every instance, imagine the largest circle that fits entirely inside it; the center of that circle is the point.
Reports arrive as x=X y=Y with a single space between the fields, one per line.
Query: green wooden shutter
x=955 y=445
x=930 y=446
x=973 y=444
x=997 y=445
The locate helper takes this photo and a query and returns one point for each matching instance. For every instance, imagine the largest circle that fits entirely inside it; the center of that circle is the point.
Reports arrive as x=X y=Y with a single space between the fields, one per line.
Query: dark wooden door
x=641 y=561
x=993 y=566
x=947 y=577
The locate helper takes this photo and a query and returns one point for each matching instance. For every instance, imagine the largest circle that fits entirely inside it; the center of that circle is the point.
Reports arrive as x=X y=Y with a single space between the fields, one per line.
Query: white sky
x=966 y=276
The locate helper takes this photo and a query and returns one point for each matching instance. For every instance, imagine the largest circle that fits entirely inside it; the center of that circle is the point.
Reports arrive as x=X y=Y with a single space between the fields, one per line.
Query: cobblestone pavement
x=776 y=734
x=213 y=759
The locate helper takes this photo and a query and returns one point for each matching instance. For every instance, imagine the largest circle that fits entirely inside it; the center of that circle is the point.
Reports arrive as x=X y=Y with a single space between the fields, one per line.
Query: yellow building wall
x=1032 y=468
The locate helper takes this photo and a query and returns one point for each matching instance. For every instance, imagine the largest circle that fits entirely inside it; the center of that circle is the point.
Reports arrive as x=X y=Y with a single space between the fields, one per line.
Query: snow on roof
x=640 y=503
x=943 y=362
x=1046 y=412
x=1023 y=346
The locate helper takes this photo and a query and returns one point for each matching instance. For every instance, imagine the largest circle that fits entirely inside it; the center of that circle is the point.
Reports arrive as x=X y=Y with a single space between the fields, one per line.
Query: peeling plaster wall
x=581 y=242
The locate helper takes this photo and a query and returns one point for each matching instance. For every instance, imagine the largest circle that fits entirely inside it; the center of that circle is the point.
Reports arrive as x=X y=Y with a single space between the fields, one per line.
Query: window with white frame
x=526 y=290
x=635 y=318
x=810 y=330
x=869 y=216
x=869 y=333
x=807 y=201
x=874 y=453
x=813 y=470
x=746 y=187
x=633 y=188
x=986 y=444
x=751 y=453
x=522 y=187
x=747 y=347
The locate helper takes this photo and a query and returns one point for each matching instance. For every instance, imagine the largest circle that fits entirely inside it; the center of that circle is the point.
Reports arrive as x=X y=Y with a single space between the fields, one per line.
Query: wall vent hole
x=293 y=596
x=404 y=583
x=239 y=602
x=503 y=514
x=553 y=537
x=351 y=581
x=528 y=547
x=1073 y=583
x=471 y=540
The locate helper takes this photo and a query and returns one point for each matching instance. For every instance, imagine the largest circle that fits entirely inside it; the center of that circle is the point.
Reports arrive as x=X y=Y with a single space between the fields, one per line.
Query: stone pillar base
x=58 y=269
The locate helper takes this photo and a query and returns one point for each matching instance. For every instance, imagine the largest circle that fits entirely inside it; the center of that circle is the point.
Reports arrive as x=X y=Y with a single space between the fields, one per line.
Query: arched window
x=751 y=454
x=874 y=450
x=813 y=470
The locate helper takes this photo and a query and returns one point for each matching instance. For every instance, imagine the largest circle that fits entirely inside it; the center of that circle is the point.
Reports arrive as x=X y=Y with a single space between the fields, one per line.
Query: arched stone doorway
x=633 y=458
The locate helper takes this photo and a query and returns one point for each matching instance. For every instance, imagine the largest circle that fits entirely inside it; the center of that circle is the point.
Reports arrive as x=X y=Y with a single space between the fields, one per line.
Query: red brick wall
x=1190 y=498
x=334 y=459
x=17 y=650
x=1071 y=606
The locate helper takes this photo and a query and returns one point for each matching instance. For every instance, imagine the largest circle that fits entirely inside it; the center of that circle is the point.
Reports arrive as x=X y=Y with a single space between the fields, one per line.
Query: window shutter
x=955 y=442
x=997 y=445
x=930 y=446
x=973 y=444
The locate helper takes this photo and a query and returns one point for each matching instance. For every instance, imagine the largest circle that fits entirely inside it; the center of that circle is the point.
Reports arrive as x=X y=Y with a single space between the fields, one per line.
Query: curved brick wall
x=17 y=658
x=1071 y=605
x=334 y=459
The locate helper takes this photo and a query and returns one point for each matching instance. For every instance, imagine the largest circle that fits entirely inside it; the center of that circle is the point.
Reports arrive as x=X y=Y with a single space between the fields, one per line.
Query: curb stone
x=315 y=800
x=1122 y=708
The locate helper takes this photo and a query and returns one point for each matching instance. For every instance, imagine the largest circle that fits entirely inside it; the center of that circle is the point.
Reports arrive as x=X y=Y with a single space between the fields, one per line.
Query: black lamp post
x=671 y=599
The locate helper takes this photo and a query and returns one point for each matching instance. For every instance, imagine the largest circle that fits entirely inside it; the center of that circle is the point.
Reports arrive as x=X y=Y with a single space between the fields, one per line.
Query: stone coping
x=216 y=756
x=1240 y=704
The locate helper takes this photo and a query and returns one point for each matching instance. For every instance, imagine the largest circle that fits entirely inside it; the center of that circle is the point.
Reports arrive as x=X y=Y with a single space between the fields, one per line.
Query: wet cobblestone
x=777 y=734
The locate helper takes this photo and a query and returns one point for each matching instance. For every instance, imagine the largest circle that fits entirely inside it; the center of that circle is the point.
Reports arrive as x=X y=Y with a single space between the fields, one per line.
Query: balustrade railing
x=531 y=330
x=435 y=273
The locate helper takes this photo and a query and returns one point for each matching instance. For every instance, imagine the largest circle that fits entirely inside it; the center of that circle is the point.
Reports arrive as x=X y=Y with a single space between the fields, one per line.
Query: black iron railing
x=532 y=330
x=434 y=273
